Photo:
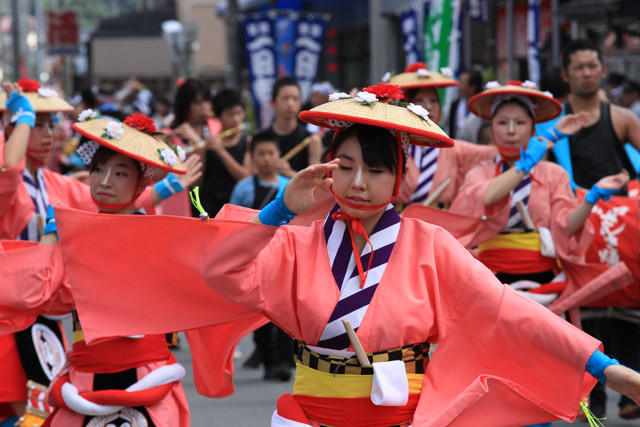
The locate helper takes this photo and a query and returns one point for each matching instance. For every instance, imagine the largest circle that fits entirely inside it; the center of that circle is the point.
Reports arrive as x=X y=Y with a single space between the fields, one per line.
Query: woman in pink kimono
x=403 y=285
x=432 y=171
x=133 y=379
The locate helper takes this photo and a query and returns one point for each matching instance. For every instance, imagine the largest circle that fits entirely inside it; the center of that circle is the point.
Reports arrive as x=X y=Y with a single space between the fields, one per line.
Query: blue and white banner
x=478 y=10
x=533 y=40
x=410 y=35
x=307 y=50
x=261 y=58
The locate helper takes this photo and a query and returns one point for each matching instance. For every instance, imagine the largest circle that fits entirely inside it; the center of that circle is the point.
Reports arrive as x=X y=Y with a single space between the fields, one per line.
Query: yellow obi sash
x=515 y=253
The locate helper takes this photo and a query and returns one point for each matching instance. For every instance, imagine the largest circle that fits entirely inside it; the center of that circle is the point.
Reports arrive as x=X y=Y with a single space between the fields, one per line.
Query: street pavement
x=255 y=399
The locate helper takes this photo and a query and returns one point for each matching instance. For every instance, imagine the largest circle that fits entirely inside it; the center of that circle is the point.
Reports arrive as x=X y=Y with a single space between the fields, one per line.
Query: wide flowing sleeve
x=34 y=282
x=16 y=206
x=157 y=274
x=502 y=359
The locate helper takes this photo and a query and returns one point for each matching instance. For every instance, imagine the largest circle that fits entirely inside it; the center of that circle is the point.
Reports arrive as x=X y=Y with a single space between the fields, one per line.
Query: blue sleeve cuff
x=276 y=212
x=168 y=186
x=50 y=222
x=596 y=193
x=553 y=134
x=597 y=364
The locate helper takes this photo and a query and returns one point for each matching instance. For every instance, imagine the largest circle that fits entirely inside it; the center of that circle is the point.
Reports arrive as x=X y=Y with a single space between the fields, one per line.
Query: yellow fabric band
x=528 y=241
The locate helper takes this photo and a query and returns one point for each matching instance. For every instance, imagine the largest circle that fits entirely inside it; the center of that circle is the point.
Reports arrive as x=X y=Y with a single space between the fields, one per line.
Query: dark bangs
x=104 y=154
x=378 y=145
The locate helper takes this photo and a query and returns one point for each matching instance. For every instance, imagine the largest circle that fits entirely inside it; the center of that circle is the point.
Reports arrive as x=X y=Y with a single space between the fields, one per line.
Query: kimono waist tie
x=336 y=391
x=515 y=253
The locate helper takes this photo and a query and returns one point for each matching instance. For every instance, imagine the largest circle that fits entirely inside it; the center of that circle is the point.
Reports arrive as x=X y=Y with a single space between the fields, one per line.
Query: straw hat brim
x=132 y=143
x=546 y=107
x=40 y=104
x=412 y=80
x=421 y=131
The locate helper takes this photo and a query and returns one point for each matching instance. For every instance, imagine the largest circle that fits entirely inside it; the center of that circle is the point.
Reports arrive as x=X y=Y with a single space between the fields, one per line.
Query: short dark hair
x=475 y=79
x=263 y=137
x=103 y=154
x=576 y=45
x=225 y=99
x=552 y=81
x=631 y=86
x=379 y=146
x=615 y=78
x=280 y=83
x=185 y=95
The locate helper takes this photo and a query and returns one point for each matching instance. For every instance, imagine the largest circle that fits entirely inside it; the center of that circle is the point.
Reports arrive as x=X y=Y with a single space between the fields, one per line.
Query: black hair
x=185 y=95
x=410 y=94
x=576 y=45
x=552 y=81
x=475 y=79
x=616 y=79
x=631 y=86
x=379 y=147
x=262 y=137
x=89 y=98
x=280 y=83
x=225 y=99
x=103 y=154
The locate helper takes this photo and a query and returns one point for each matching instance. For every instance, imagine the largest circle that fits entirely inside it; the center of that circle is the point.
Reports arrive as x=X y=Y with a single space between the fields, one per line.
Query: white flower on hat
x=419 y=110
x=181 y=153
x=366 y=97
x=446 y=71
x=169 y=157
x=529 y=84
x=114 y=129
x=492 y=85
x=47 y=92
x=423 y=72
x=385 y=78
x=338 y=95
x=87 y=114
x=549 y=94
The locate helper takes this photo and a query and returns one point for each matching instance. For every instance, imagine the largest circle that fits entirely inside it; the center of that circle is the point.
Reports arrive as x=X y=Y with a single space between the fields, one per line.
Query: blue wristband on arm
x=596 y=193
x=536 y=148
x=168 y=186
x=276 y=212
x=21 y=108
x=597 y=363
x=50 y=222
x=553 y=134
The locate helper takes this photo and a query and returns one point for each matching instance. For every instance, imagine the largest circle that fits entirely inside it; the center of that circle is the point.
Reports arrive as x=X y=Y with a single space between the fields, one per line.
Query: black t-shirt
x=596 y=151
x=287 y=142
x=217 y=183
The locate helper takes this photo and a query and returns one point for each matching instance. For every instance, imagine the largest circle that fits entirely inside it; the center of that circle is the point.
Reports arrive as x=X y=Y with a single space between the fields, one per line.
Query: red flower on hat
x=513 y=83
x=382 y=91
x=29 y=85
x=141 y=122
x=415 y=67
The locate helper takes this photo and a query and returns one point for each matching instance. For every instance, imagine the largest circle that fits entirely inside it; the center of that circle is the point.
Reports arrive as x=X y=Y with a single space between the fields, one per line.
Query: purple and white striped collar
x=354 y=300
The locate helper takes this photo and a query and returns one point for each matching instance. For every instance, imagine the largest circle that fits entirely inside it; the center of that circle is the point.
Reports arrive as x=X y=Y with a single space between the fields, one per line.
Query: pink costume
x=35 y=282
x=502 y=360
x=17 y=208
x=454 y=163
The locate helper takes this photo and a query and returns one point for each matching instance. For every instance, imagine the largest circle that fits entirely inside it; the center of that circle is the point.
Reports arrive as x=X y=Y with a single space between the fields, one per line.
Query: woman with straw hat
x=134 y=379
x=26 y=187
x=441 y=172
x=401 y=284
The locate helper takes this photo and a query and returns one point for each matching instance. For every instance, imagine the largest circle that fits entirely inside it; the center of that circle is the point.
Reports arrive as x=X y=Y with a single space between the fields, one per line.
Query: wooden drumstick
x=227 y=133
x=295 y=150
x=437 y=192
x=524 y=213
x=355 y=342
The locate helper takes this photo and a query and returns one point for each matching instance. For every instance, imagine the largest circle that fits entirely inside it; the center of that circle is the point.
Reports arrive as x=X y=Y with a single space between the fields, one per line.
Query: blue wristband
x=50 y=222
x=22 y=110
x=596 y=193
x=276 y=212
x=553 y=134
x=597 y=363
x=168 y=186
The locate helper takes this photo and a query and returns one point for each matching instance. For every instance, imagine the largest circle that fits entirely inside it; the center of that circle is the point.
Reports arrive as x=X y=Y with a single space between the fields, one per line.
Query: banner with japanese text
x=307 y=50
x=260 y=46
x=410 y=35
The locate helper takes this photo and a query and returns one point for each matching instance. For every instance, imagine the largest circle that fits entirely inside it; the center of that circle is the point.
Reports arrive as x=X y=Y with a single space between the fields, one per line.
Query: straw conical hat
x=545 y=107
x=421 y=130
x=42 y=99
x=132 y=142
x=417 y=75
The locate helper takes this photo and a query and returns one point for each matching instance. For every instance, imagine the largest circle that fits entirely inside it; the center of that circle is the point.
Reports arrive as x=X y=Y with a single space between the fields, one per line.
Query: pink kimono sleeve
x=16 y=206
x=34 y=282
x=502 y=360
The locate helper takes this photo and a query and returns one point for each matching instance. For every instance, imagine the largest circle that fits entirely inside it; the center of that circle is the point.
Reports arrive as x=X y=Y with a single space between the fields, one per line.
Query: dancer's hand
x=308 y=185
